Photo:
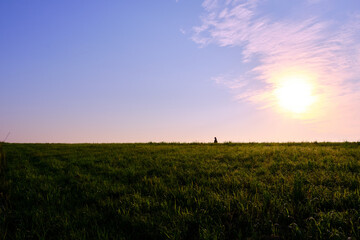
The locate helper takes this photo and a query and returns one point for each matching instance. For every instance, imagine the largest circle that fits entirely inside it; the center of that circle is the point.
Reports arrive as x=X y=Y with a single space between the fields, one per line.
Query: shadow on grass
x=4 y=195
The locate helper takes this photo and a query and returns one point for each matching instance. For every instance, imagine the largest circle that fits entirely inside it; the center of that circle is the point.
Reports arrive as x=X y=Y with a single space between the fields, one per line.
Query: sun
x=295 y=94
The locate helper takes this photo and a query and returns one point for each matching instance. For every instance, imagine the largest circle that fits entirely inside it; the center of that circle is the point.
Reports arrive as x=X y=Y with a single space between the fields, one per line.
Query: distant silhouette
x=215 y=140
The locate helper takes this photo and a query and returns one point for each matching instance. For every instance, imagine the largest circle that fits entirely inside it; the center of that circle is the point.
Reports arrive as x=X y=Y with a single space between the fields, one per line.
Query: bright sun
x=295 y=94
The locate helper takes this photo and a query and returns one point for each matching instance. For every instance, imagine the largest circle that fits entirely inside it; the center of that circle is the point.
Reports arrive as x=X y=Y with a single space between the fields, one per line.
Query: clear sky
x=179 y=70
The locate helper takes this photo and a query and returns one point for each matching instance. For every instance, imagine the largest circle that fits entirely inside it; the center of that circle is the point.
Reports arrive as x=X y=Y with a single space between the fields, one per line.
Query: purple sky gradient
x=176 y=71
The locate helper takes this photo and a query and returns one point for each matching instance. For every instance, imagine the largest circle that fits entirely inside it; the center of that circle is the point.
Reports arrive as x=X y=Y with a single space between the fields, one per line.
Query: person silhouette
x=215 y=140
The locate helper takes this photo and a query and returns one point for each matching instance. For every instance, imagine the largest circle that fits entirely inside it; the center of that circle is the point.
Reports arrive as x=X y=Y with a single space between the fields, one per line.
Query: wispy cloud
x=328 y=49
x=182 y=31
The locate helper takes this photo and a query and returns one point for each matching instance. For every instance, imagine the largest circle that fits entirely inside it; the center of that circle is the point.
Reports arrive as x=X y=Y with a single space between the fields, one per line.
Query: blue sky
x=184 y=71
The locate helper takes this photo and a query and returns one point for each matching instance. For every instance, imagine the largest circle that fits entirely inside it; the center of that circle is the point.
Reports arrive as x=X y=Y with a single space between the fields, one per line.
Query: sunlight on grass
x=184 y=191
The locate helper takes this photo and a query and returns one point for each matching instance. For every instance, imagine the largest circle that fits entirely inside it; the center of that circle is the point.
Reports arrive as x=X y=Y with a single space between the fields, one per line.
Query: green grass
x=182 y=191
x=4 y=194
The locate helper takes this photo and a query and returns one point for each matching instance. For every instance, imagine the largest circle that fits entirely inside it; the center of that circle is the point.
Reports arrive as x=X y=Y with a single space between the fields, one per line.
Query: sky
x=179 y=71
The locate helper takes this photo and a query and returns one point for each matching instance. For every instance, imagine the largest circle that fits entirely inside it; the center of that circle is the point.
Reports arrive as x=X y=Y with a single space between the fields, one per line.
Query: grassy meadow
x=180 y=191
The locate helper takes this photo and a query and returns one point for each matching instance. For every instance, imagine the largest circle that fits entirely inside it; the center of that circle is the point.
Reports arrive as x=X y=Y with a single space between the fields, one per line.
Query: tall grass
x=184 y=191
x=4 y=194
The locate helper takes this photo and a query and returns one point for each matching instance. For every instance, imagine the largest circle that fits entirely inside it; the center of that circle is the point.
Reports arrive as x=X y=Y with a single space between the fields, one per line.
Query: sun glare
x=295 y=94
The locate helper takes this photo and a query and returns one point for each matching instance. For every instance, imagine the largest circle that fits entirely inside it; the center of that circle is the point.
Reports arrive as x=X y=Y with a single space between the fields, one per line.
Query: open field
x=181 y=191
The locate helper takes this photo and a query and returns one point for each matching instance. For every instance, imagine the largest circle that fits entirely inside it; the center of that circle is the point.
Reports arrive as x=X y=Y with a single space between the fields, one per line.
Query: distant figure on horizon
x=215 y=140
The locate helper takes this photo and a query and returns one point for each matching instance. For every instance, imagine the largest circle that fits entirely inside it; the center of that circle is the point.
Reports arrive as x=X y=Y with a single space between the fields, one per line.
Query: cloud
x=182 y=31
x=322 y=47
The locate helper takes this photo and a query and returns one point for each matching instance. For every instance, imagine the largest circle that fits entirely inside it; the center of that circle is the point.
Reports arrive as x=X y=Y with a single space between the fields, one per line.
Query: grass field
x=180 y=191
